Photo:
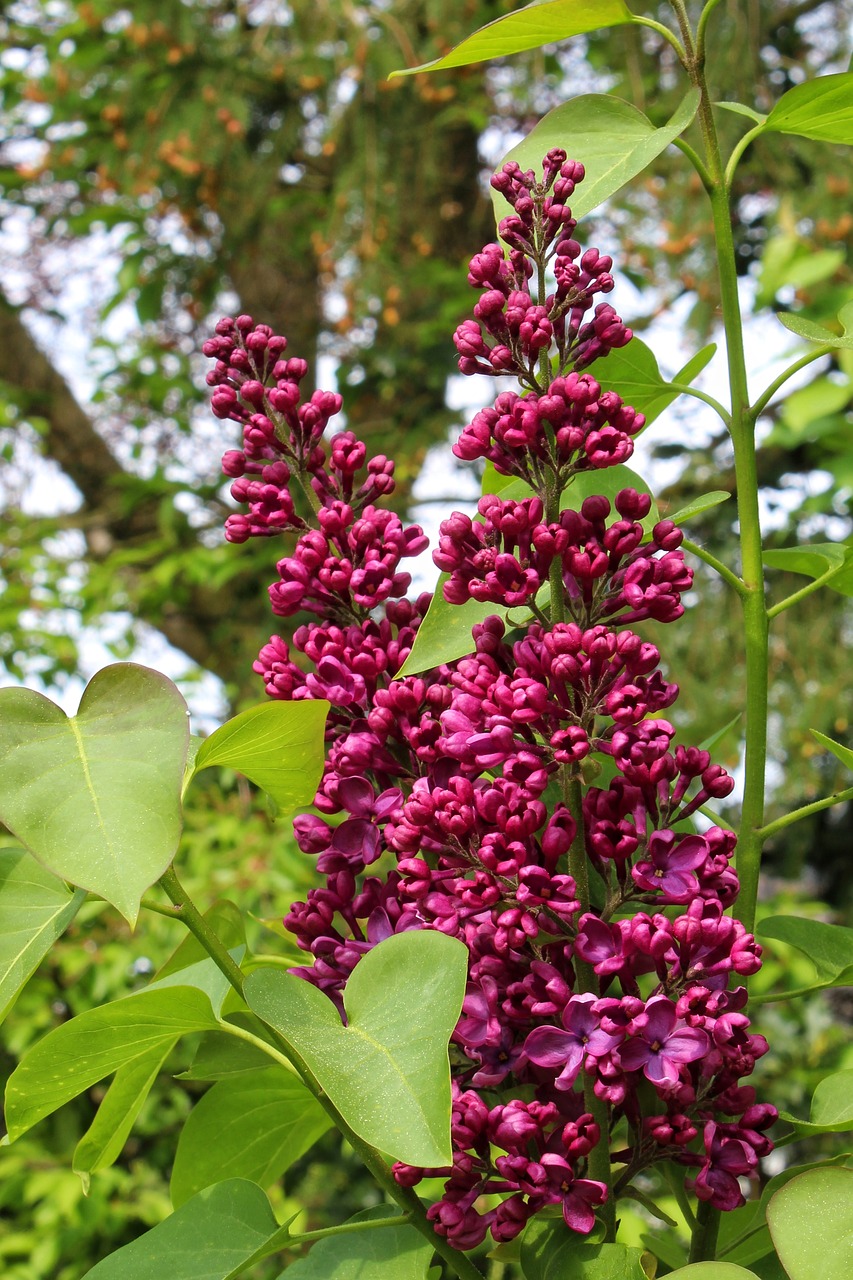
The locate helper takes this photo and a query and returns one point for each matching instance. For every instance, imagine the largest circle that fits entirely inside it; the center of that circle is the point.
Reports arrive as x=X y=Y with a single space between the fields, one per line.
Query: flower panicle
x=437 y=805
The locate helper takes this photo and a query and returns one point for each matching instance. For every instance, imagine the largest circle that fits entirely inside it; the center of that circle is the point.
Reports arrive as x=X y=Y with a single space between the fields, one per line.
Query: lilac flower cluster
x=458 y=800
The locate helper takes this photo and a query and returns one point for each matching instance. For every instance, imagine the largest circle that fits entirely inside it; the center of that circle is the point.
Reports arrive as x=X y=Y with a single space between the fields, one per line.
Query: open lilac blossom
x=663 y=1044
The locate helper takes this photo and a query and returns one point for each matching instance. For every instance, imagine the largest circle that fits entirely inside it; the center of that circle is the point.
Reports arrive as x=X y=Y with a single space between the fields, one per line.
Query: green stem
x=703 y=1243
x=668 y=35
x=702 y=28
x=717 y=565
x=743 y=441
x=674 y=1175
x=696 y=160
x=348 y=1228
x=807 y=590
x=188 y=913
x=766 y=396
x=685 y=390
x=734 y=158
x=805 y=811
x=405 y=1197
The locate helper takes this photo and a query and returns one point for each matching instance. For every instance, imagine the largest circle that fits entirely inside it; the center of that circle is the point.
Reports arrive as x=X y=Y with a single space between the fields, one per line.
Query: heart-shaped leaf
x=828 y=946
x=35 y=908
x=280 y=746
x=821 y=108
x=79 y=1053
x=831 y=1109
x=387 y=1071
x=542 y=22
x=811 y=1223
x=251 y=1127
x=842 y=753
x=813 y=332
x=613 y=140
x=97 y=797
x=103 y=1141
x=392 y=1253
x=209 y=1238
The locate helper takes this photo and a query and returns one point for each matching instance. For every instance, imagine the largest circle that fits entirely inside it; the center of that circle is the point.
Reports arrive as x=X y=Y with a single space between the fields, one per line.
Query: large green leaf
x=79 y=1053
x=613 y=140
x=805 y=328
x=102 y=1143
x=550 y=1251
x=251 y=1127
x=543 y=22
x=842 y=753
x=208 y=1238
x=632 y=371
x=387 y=1071
x=811 y=1223
x=831 y=1109
x=828 y=946
x=35 y=908
x=280 y=746
x=820 y=109
x=390 y=1253
x=96 y=797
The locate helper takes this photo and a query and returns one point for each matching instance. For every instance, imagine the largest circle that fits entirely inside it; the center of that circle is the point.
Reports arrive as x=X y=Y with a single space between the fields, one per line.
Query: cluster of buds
x=459 y=799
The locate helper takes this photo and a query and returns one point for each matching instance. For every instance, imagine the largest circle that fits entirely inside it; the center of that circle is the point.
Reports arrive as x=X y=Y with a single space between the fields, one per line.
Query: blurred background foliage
x=167 y=160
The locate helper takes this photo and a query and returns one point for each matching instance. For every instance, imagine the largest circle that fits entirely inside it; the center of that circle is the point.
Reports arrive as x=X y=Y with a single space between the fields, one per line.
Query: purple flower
x=580 y=1044
x=579 y=1196
x=670 y=864
x=664 y=1044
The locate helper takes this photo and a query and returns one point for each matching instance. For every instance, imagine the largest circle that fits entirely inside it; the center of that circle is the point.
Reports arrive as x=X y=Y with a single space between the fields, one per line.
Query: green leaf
x=704 y=502
x=811 y=1224
x=445 y=633
x=821 y=109
x=387 y=1071
x=608 y=482
x=543 y=22
x=208 y=1238
x=280 y=746
x=711 y=741
x=806 y=407
x=392 y=1253
x=842 y=753
x=252 y=1127
x=740 y=109
x=712 y=1271
x=96 y=797
x=550 y=1251
x=812 y=332
x=828 y=946
x=79 y=1053
x=220 y=1056
x=103 y=1141
x=35 y=909
x=226 y=921
x=815 y=559
x=613 y=140
x=831 y=1109
x=632 y=371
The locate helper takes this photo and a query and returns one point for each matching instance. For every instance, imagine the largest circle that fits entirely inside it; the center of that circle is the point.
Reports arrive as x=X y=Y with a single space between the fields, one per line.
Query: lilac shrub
x=461 y=799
